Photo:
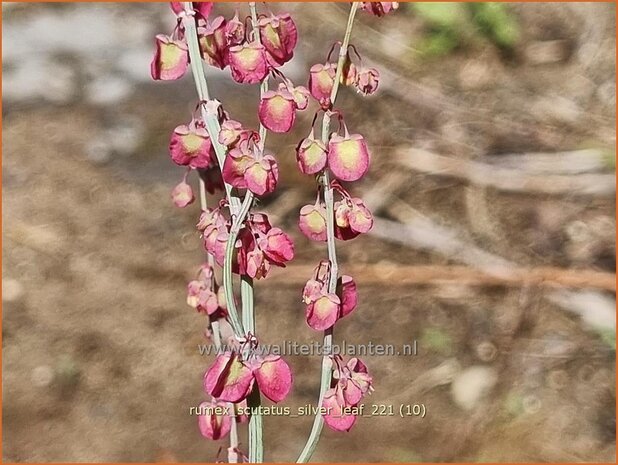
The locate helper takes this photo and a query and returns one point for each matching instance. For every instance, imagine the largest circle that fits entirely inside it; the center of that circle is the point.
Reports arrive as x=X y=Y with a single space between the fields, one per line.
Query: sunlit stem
x=325 y=378
x=256 y=445
x=211 y=120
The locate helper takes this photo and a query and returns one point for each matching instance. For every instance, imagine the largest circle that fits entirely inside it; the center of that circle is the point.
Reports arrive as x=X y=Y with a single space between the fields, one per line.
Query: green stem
x=325 y=378
x=212 y=125
x=246 y=294
x=256 y=445
x=210 y=118
x=237 y=224
x=238 y=212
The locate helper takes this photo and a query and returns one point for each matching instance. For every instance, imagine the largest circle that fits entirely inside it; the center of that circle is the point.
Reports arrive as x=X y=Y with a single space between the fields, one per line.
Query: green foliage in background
x=437 y=340
x=453 y=24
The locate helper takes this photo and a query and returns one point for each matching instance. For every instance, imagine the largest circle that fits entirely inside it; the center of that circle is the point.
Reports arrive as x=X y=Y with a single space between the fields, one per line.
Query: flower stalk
x=326 y=369
x=239 y=215
x=202 y=90
x=256 y=443
x=213 y=127
x=230 y=157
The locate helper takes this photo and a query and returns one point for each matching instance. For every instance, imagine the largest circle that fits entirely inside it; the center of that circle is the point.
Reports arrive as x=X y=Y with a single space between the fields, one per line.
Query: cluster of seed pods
x=346 y=158
x=253 y=55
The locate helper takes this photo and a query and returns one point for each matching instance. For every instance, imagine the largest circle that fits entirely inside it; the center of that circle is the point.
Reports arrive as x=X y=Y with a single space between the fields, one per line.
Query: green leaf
x=437 y=44
x=437 y=340
x=441 y=14
x=496 y=23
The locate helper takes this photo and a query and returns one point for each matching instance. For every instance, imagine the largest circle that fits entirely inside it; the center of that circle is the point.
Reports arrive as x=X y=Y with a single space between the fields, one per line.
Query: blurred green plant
x=437 y=340
x=451 y=25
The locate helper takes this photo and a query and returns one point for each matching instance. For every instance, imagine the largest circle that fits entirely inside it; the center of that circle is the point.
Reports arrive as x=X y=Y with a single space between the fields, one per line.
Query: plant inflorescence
x=229 y=157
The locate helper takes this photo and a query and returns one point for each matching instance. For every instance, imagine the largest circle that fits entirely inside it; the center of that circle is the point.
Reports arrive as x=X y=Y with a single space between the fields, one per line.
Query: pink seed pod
x=342 y=214
x=352 y=218
x=228 y=379
x=312 y=291
x=323 y=312
x=210 y=235
x=349 y=73
x=220 y=245
x=235 y=31
x=277 y=246
x=207 y=302
x=353 y=380
x=343 y=232
x=346 y=290
x=248 y=63
x=277 y=110
x=274 y=377
x=360 y=375
x=311 y=155
x=353 y=383
x=360 y=218
x=182 y=195
x=257 y=264
x=171 y=59
x=321 y=81
x=190 y=145
x=213 y=42
x=193 y=292
x=260 y=222
x=213 y=422
x=312 y=222
x=324 y=309
x=262 y=175
x=379 y=8
x=209 y=217
x=335 y=418
x=279 y=36
x=230 y=132
x=367 y=81
x=237 y=162
x=348 y=156
x=351 y=392
x=300 y=93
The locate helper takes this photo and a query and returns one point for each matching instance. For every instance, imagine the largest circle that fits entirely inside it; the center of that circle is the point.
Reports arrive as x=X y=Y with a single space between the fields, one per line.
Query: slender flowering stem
x=227 y=263
x=216 y=329
x=209 y=115
x=232 y=451
x=325 y=378
x=232 y=454
x=246 y=295
x=256 y=445
x=210 y=118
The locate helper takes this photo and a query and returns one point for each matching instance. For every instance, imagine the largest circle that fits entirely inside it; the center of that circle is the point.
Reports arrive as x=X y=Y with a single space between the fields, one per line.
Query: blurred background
x=493 y=187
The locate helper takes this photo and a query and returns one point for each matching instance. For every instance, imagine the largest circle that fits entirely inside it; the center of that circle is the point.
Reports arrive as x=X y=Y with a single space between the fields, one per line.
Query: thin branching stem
x=212 y=125
x=256 y=444
x=325 y=378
